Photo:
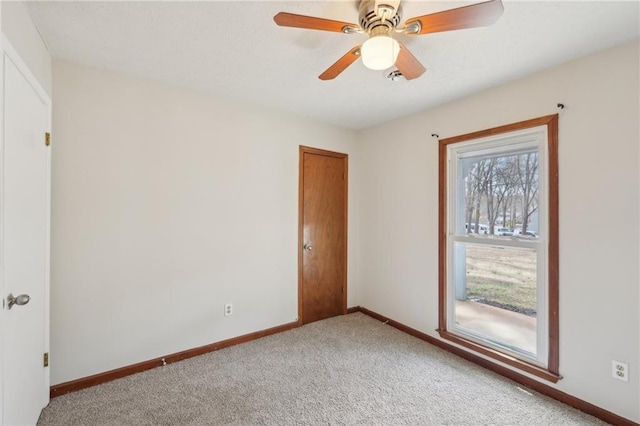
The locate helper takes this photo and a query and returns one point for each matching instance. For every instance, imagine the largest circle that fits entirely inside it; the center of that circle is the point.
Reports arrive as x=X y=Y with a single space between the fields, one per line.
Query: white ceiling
x=234 y=50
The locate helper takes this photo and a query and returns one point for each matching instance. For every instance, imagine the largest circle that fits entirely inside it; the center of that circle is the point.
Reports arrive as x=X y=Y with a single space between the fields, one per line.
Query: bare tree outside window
x=502 y=192
x=527 y=176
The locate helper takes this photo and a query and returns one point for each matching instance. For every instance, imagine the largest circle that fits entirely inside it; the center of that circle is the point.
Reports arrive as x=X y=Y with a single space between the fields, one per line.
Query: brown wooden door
x=323 y=235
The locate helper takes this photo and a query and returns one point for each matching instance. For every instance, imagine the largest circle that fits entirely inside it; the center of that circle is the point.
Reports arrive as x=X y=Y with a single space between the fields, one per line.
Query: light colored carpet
x=348 y=370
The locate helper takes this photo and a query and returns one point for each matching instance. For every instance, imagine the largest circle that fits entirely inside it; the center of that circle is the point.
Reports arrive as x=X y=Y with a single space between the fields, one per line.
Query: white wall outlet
x=620 y=370
x=228 y=309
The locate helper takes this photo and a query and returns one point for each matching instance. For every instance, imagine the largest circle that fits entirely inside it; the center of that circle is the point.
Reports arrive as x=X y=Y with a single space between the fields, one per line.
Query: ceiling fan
x=380 y=19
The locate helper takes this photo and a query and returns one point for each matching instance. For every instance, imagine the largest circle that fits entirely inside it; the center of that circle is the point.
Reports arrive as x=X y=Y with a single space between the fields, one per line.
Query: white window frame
x=532 y=140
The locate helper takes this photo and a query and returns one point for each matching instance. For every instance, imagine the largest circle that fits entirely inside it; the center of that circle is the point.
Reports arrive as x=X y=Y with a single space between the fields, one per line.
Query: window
x=498 y=266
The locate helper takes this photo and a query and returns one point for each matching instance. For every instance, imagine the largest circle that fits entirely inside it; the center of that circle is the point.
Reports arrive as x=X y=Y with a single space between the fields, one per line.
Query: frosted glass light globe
x=380 y=52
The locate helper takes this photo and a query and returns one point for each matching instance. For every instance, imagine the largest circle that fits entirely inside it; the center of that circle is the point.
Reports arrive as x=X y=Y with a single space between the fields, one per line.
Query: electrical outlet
x=228 y=309
x=620 y=370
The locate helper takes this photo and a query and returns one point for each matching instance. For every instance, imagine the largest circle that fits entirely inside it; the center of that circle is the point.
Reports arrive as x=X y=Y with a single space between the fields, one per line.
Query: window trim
x=551 y=372
x=532 y=139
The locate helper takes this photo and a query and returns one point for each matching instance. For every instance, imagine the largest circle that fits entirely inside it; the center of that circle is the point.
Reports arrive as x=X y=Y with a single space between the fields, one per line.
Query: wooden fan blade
x=408 y=65
x=309 y=22
x=475 y=15
x=341 y=64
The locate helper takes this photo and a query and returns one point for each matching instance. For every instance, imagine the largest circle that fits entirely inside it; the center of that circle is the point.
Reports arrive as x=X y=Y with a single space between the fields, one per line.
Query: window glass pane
x=496 y=296
x=498 y=196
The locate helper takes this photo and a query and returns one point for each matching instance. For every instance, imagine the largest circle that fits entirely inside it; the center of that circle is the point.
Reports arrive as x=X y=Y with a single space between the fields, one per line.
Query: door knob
x=23 y=299
x=307 y=246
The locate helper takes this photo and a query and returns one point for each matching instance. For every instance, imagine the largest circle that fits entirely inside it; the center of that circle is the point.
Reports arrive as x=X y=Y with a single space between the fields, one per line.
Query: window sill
x=499 y=356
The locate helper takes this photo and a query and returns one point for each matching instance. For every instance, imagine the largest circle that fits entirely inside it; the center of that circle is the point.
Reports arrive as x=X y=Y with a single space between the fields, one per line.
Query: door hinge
x=45 y=359
x=47 y=138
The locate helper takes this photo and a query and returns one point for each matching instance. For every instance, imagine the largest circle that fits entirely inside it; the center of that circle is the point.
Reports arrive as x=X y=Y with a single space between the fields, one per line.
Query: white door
x=25 y=264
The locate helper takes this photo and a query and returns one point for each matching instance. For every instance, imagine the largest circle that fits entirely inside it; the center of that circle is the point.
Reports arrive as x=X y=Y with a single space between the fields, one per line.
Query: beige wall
x=17 y=26
x=599 y=214
x=167 y=205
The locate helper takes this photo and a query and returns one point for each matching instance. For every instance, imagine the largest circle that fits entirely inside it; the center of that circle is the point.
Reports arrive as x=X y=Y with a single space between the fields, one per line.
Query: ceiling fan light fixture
x=380 y=52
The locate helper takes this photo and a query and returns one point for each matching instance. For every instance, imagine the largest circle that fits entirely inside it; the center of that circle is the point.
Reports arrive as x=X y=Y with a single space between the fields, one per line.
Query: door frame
x=9 y=53
x=345 y=158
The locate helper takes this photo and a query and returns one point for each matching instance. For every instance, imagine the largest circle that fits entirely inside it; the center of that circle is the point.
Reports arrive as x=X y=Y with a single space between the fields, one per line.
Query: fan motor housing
x=378 y=20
